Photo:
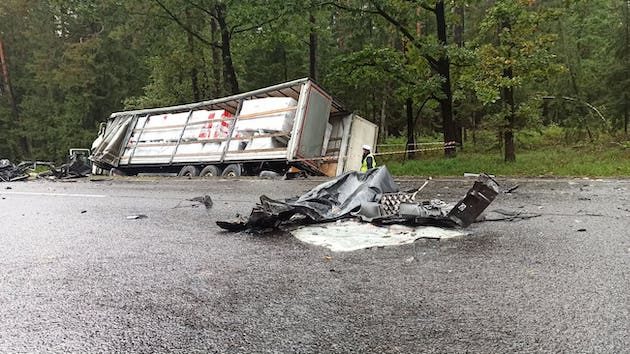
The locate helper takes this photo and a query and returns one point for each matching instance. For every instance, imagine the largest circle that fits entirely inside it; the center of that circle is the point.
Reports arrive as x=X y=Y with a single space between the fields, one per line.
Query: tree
x=434 y=53
x=520 y=56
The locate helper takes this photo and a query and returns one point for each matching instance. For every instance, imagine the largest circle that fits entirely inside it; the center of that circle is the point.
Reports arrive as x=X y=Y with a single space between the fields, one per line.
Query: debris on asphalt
x=83 y=211
x=135 y=217
x=511 y=189
x=507 y=215
x=581 y=230
x=476 y=175
x=372 y=196
x=12 y=173
x=205 y=200
x=76 y=167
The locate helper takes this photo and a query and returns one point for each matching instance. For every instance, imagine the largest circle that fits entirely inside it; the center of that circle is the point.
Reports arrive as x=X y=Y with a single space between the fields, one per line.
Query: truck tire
x=233 y=170
x=188 y=171
x=210 y=171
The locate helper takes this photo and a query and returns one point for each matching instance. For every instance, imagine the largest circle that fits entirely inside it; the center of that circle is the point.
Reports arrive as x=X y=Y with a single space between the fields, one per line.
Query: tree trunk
x=508 y=134
x=444 y=70
x=626 y=104
x=216 y=59
x=458 y=37
x=24 y=144
x=508 y=138
x=194 y=82
x=312 y=46
x=6 y=80
x=229 y=74
x=383 y=128
x=625 y=115
x=411 y=136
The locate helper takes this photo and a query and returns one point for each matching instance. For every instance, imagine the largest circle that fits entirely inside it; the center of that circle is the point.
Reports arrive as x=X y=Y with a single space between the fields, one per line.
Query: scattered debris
x=205 y=200
x=581 y=230
x=11 y=173
x=83 y=211
x=77 y=166
x=584 y=198
x=8 y=187
x=269 y=175
x=371 y=196
x=511 y=189
x=135 y=217
x=466 y=174
x=507 y=215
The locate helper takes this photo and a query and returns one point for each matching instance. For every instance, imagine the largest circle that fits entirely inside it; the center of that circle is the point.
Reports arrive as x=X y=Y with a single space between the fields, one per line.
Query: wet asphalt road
x=77 y=276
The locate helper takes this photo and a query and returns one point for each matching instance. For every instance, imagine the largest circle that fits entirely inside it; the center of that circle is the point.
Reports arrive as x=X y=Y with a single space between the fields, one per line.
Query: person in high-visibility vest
x=368 y=161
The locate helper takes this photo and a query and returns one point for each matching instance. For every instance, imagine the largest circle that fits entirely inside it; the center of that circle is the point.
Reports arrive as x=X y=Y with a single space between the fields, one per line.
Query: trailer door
x=107 y=154
x=312 y=118
x=362 y=132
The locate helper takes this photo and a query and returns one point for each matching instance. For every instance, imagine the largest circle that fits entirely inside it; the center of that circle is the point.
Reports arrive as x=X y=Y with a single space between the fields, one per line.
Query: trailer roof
x=288 y=89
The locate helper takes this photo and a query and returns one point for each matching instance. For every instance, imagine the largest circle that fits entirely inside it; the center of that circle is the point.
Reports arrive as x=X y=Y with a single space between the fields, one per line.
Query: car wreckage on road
x=294 y=126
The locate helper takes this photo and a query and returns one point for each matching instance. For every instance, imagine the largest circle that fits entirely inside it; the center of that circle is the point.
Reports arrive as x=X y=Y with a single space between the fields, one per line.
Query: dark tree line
x=415 y=67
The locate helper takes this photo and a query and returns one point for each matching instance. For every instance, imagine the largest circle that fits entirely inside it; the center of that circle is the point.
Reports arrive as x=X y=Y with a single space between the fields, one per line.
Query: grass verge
x=547 y=162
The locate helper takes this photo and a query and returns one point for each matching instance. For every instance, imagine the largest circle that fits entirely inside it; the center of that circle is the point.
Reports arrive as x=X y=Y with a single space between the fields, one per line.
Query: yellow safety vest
x=364 y=166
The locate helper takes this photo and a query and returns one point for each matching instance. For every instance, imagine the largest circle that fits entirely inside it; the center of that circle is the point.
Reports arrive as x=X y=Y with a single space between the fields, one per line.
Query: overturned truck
x=294 y=126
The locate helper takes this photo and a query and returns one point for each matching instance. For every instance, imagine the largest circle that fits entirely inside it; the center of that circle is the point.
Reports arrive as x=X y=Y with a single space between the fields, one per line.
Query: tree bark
x=229 y=73
x=383 y=128
x=6 y=80
x=508 y=102
x=24 y=144
x=626 y=104
x=458 y=37
x=216 y=59
x=194 y=82
x=312 y=46
x=411 y=136
x=444 y=70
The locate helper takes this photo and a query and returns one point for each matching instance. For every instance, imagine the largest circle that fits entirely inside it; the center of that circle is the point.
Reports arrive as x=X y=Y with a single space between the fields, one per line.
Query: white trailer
x=294 y=125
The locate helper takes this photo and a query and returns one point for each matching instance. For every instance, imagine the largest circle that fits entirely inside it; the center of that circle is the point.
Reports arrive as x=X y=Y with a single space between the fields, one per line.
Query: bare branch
x=406 y=33
x=203 y=9
x=184 y=27
x=429 y=98
x=347 y=8
x=236 y=30
x=422 y=5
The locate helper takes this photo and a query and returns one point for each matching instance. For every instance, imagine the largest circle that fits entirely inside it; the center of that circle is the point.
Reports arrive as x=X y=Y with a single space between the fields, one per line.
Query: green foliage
x=556 y=162
x=73 y=62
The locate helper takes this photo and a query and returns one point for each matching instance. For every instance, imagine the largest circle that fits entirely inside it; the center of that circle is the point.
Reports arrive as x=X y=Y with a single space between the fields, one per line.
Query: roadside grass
x=537 y=155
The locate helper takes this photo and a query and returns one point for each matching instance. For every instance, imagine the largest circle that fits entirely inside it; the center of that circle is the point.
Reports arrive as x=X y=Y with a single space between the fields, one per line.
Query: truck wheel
x=233 y=170
x=188 y=171
x=210 y=171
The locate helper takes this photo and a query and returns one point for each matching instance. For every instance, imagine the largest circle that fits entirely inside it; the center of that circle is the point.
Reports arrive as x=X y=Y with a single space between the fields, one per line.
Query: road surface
x=78 y=276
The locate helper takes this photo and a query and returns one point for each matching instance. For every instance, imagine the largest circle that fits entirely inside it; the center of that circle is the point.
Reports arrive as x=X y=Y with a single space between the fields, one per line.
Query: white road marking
x=57 y=194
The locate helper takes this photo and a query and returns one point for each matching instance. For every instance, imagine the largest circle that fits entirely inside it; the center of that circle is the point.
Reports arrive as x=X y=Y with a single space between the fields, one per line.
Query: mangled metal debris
x=77 y=166
x=371 y=196
x=11 y=173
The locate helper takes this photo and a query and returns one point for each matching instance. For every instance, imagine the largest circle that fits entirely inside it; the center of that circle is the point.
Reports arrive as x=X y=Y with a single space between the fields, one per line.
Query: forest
x=475 y=72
